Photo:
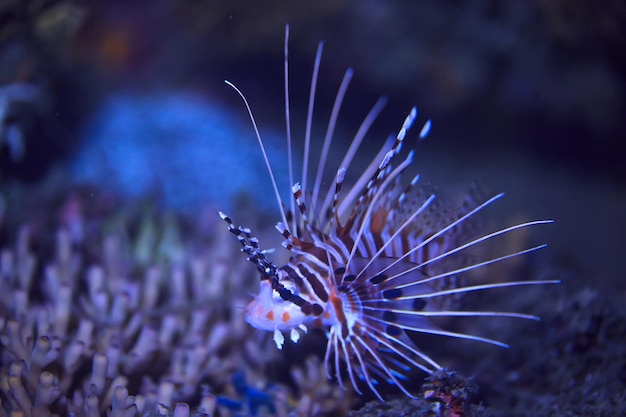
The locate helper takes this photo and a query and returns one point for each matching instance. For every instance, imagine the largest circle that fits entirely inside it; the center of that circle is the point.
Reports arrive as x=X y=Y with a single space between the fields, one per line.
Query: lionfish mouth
x=375 y=263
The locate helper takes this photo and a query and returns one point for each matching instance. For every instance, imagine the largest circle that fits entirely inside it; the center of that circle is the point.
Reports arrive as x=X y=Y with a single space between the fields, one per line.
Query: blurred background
x=529 y=95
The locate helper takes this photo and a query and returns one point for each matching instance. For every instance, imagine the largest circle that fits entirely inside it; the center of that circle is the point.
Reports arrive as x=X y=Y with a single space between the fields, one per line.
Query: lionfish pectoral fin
x=294 y=335
x=279 y=339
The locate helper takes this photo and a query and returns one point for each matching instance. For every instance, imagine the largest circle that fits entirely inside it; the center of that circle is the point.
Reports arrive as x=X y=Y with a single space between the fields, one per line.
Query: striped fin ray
x=329 y=136
x=350 y=153
x=393 y=295
x=376 y=351
x=333 y=216
x=351 y=200
x=363 y=204
x=309 y=116
x=362 y=241
x=297 y=195
x=442 y=231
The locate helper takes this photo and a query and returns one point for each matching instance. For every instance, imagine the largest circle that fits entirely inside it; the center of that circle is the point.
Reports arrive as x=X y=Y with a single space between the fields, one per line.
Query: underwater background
x=119 y=141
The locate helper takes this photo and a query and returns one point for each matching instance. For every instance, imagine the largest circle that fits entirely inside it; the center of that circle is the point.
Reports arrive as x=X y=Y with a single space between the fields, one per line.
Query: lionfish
x=372 y=266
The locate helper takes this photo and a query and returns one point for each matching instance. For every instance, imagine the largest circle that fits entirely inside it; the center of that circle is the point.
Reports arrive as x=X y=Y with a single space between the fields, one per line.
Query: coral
x=445 y=393
x=318 y=395
x=118 y=309
x=452 y=391
x=121 y=306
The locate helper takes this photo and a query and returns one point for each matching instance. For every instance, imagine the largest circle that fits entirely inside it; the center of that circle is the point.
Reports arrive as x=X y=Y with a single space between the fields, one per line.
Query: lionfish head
x=278 y=306
x=268 y=311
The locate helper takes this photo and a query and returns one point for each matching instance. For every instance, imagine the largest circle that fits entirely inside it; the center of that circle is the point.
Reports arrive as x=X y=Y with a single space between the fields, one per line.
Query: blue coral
x=189 y=150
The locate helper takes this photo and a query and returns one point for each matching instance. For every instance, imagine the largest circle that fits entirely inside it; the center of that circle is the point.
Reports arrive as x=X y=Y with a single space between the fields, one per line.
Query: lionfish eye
x=288 y=285
x=276 y=297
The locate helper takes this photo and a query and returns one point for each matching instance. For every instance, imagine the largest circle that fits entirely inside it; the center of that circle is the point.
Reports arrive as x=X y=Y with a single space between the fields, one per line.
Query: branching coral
x=117 y=307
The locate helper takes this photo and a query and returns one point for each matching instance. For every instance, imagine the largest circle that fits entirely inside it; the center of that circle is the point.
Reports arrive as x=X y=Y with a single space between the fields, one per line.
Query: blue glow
x=184 y=148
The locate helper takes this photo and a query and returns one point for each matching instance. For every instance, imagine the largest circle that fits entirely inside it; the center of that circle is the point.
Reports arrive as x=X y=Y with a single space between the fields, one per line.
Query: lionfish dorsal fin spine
x=392 y=238
x=364 y=220
x=288 y=126
x=309 y=115
x=334 y=218
x=345 y=82
x=298 y=196
x=425 y=129
x=383 y=170
x=371 y=116
x=355 y=143
x=354 y=197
